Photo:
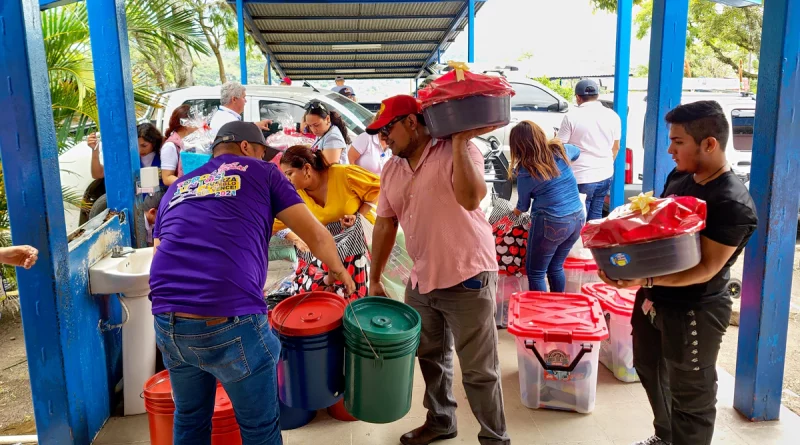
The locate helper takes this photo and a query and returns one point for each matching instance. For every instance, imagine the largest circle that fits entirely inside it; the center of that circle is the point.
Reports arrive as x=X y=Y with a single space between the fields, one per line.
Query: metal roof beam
x=333 y=2
x=388 y=69
x=345 y=53
x=251 y=24
x=462 y=13
x=47 y=4
x=350 y=31
x=354 y=61
x=351 y=17
x=401 y=42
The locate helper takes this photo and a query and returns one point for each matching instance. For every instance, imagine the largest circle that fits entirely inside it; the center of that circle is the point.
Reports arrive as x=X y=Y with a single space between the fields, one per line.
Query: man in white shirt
x=233 y=97
x=596 y=130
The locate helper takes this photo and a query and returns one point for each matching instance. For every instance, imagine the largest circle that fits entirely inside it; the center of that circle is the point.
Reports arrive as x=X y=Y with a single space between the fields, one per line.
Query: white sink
x=129 y=276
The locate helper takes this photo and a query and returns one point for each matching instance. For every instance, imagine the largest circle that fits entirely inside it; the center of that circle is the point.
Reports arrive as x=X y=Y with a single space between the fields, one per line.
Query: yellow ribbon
x=459 y=68
x=642 y=202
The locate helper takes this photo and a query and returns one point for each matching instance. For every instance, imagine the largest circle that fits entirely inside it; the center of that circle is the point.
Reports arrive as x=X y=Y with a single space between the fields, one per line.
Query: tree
x=215 y=18
x=719 y=38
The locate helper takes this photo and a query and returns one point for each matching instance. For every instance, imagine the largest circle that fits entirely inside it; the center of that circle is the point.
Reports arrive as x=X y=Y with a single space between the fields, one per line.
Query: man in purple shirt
x=211 y=239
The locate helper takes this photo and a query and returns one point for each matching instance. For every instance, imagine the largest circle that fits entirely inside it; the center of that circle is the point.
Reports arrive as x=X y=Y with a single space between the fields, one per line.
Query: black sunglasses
x=386 y=129
x=316 y=106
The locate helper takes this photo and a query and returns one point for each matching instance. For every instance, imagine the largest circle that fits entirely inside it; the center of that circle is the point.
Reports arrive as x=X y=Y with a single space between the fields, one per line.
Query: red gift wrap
x=648 y=220
x=460 y=83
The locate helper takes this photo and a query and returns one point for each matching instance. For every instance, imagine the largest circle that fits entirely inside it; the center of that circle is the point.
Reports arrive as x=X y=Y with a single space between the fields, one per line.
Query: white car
x=280 y=103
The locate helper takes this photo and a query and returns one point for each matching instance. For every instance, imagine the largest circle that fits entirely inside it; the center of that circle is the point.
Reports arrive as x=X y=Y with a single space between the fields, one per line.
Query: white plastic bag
x=577 y=250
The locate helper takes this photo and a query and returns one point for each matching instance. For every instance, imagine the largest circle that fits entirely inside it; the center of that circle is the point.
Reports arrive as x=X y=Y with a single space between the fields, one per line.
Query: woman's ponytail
x=336 y=119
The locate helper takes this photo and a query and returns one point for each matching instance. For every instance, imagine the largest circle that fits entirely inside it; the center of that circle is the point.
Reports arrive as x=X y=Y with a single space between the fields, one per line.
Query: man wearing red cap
x=286 y=82
x=433 y=189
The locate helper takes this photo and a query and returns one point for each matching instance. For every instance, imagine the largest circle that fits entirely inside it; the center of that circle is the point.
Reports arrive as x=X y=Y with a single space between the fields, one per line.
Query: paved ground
x=622 y=415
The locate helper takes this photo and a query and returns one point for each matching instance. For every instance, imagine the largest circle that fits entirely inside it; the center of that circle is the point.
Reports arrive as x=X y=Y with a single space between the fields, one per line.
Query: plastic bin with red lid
x=558 y=344
x=311 y=365
x=616 y=353
x=579 y=272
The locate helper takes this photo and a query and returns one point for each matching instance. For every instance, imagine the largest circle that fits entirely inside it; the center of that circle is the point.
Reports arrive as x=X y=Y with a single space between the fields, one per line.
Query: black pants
x=675 y=354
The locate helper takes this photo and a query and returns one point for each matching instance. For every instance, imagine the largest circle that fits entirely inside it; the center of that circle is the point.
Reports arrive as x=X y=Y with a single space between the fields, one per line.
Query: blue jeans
x=596 y=193
x=240 y=352
x=549 y=242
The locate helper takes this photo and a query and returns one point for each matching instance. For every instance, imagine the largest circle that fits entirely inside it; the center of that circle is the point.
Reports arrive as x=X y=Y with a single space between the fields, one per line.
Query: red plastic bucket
x=160 y=413
x=339 y=412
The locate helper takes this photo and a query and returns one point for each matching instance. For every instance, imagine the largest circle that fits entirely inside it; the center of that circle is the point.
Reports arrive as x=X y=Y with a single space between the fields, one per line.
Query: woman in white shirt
x=171 y=168
x=331 y=131
x=369 y=152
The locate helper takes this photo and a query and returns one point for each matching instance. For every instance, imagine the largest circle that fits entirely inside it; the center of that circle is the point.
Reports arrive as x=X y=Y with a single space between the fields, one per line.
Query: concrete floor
x=621 y=416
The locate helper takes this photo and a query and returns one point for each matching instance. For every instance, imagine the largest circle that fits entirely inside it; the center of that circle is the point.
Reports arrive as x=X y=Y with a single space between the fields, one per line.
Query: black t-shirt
x=731 y=220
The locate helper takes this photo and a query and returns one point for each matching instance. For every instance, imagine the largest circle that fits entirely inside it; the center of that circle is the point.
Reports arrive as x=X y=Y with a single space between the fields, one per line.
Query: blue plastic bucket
x=293 y=418
x=311 y=365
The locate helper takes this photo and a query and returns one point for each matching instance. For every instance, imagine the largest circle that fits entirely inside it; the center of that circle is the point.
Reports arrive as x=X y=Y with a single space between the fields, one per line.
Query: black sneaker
x=655 y=440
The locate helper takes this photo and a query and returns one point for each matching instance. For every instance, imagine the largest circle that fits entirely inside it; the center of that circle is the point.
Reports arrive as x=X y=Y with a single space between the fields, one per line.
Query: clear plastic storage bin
x=616 y=353
x=507 y=285
x=558 y=346
x=579 y=272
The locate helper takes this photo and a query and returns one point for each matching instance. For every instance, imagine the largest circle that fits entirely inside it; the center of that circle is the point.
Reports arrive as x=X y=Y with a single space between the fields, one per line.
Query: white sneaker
x=655 y=440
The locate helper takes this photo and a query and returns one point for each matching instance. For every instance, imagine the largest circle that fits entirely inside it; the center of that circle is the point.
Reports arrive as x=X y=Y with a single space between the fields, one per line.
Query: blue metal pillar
x=108 y=32
x=622 y=68
x=667 y=54
x=36 y=212
x=269 y=70
x=439 y=56
x=471 y=33
x=242 y=46
x=774 y=182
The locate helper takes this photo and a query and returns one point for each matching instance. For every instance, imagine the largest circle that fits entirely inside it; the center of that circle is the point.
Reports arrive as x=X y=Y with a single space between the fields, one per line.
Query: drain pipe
x=11 y=440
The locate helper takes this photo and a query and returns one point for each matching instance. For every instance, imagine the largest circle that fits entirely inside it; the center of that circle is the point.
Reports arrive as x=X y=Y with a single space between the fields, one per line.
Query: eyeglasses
x=386 y=129
x=315 y=106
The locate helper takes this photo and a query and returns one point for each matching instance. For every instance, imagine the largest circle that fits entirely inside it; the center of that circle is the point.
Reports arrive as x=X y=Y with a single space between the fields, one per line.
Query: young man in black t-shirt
x=679 y=319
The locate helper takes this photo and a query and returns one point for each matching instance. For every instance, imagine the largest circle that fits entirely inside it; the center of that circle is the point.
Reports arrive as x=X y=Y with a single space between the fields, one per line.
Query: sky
x=565 y=37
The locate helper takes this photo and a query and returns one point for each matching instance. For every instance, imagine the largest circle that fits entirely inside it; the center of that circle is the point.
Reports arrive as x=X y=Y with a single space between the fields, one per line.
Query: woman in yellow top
x=334 y=194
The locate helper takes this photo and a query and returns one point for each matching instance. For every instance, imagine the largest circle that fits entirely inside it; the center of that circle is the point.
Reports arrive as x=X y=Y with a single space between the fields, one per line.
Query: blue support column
x=621 y=74
x=269 y=70
x=667 y=54
x=108 y=32
x=774 y=183
x=439 y=56
x=242 y=45
x=471 y=33
x=36 y=212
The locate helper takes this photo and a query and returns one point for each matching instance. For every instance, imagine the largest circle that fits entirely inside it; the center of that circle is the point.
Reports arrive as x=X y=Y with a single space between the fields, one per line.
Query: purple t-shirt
x=214 y=227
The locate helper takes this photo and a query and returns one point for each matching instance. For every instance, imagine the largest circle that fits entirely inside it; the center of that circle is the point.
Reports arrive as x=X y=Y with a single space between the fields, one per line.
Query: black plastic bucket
x=651 y=259
x=455 y=116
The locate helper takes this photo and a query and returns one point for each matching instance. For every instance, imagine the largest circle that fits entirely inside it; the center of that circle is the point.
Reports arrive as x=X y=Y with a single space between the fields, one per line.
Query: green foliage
x=719 y=37
x=565 y=92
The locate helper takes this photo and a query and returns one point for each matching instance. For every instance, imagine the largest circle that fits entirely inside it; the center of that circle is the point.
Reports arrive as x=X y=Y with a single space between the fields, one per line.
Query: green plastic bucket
x=381 y=340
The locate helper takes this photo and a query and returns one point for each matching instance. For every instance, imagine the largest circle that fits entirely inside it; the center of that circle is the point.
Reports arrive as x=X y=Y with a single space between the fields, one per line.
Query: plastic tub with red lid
x=579 y=272
x=558 y=344
x=311 y=366
x=616 y=353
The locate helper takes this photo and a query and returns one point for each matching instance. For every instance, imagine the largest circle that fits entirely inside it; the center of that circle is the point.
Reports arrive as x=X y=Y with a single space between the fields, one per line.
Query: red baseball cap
x=392 y=108
x=286 y=80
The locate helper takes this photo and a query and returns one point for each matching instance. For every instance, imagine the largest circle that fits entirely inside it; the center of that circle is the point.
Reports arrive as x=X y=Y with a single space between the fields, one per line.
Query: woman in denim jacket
x=544 y=176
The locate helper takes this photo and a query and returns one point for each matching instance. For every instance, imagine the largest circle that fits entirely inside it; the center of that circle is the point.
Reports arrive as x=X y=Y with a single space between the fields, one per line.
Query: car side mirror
x=563 y=106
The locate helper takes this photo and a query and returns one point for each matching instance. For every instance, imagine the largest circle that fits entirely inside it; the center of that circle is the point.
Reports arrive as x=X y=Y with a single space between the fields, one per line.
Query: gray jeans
x=463 y=318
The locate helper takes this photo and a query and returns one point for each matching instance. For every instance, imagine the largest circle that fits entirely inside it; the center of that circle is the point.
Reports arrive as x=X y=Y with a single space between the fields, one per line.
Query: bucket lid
x=618 y=301
x=158 y=386
x=308 y=314
x=382 y=319
x=580 y=264
x=563 y=318
x=222 y=403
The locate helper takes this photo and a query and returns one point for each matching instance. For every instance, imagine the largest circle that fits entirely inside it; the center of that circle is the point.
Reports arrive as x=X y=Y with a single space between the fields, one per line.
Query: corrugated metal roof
x=405 y=34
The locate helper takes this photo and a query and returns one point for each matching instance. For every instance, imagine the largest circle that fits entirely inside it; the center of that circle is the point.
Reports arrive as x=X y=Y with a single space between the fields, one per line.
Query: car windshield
x=363 y=115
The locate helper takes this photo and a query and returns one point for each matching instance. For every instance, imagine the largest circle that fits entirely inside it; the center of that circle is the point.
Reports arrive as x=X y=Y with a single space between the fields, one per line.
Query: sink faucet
x=119 y=251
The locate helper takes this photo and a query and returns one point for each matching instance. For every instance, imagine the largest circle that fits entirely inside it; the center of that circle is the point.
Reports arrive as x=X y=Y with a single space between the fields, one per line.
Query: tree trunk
x=266 y=73
x=222 y=77
x=155 y=68
x=729 y=61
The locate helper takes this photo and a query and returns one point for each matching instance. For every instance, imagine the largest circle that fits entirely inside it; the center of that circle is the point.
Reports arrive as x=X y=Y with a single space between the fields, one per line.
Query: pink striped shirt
x=447 y=243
